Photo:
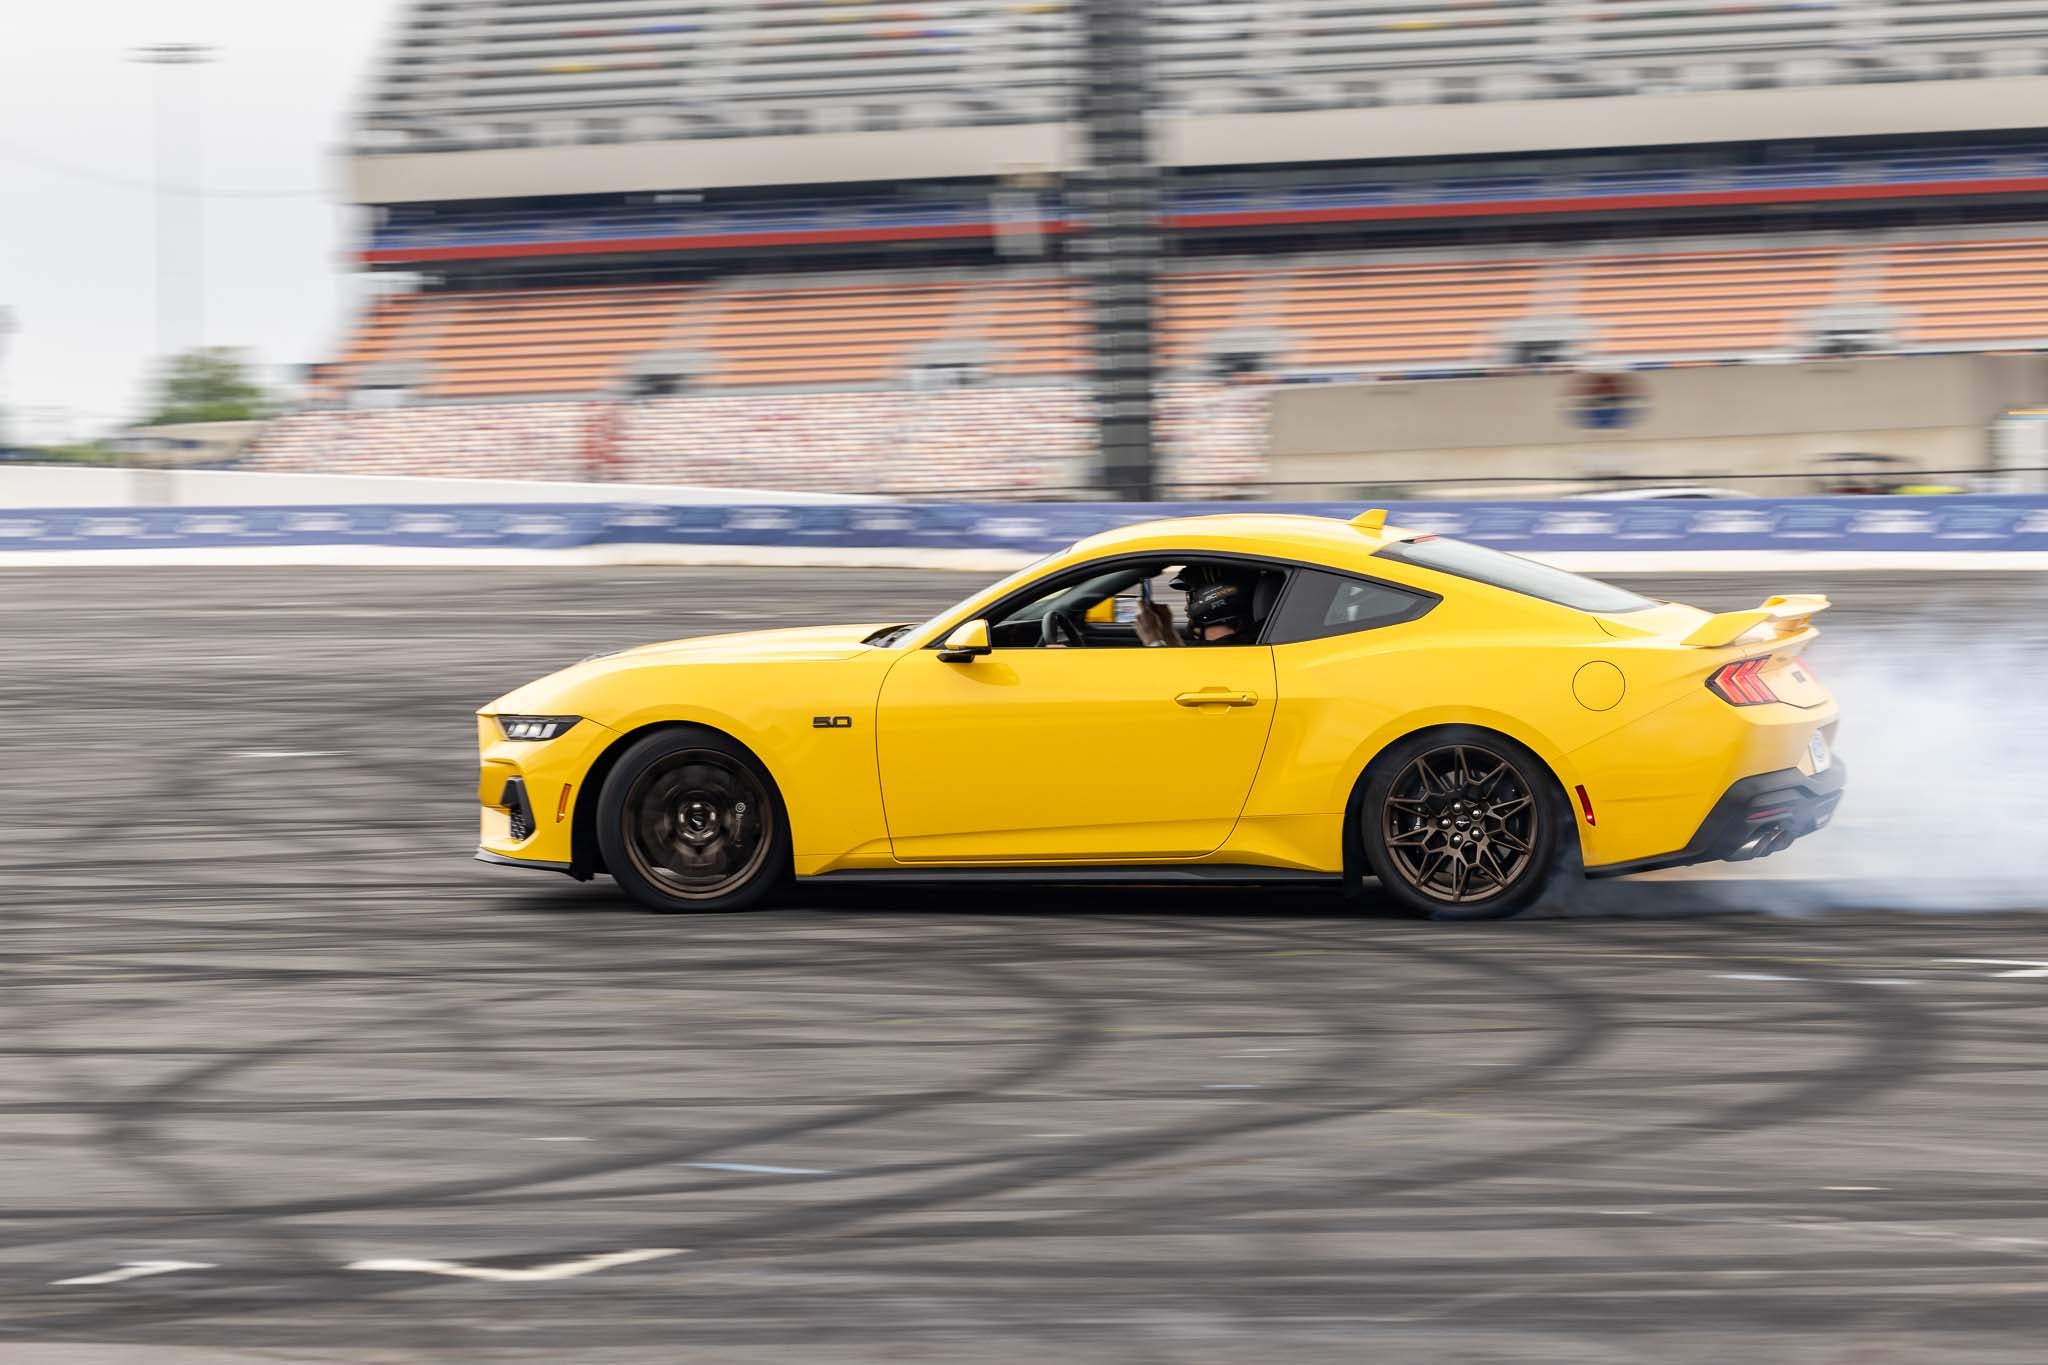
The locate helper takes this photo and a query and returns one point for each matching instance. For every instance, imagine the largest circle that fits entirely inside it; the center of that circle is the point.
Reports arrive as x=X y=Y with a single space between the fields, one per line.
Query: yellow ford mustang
x=1349 y=700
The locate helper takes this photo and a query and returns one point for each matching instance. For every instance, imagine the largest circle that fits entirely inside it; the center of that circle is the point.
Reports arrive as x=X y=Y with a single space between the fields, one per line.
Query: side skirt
x=1209 y=873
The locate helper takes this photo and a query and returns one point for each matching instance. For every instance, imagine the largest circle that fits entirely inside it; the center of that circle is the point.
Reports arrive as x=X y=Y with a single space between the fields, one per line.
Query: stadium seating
x=989 y=442
x=546 y=340
x=484 y=73
x=1030 y=327
x=474 y=72
x=831 y=334
x=976 y=442
x=864 y=422
x=524 y=342
x=1378 y=316
x=382 y=333
x=1684 y=304
x=481 y=441
x=1368 y=315
x=1978 y=294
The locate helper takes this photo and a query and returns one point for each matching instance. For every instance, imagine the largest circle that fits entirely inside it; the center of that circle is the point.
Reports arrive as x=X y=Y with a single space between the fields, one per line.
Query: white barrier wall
x=30 y=486
x=1697 y=424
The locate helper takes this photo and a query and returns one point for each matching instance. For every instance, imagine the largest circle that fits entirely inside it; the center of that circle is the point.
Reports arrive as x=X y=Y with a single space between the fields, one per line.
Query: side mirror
x=966 y=644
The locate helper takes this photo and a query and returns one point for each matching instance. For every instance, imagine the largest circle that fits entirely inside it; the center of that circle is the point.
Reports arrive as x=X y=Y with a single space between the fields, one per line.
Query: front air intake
x=513 y=799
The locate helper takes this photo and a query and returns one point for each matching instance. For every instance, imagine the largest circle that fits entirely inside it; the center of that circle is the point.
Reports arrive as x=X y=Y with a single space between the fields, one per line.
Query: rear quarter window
x=1463 y=559
x=1319 y=605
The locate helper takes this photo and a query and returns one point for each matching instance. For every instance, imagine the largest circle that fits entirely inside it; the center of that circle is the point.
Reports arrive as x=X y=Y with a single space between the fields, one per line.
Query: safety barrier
x=2011 y=530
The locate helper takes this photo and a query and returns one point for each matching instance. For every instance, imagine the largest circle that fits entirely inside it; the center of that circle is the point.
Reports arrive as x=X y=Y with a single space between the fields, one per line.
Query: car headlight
x=536 y=727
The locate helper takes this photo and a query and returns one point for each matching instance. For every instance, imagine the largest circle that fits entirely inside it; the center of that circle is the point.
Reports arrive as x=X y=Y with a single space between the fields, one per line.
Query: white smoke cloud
x=1946 y=740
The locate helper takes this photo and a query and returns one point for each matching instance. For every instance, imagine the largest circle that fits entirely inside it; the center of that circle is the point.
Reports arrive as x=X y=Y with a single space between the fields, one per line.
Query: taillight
x=1741 y=683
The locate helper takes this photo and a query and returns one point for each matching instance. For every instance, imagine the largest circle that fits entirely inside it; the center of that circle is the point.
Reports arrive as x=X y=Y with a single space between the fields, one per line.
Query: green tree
x=210 y=384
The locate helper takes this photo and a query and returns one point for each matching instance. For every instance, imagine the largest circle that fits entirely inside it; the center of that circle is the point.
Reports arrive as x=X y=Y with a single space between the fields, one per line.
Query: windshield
x=1514 y=573
x=952 y=613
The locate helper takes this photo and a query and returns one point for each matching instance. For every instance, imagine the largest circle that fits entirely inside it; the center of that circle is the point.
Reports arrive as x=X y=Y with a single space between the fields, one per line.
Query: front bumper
x=484 y=855
x=1754 y=818
x=527 y=792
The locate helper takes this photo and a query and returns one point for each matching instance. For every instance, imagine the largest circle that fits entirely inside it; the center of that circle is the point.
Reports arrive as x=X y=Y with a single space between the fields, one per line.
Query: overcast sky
x=77 y=243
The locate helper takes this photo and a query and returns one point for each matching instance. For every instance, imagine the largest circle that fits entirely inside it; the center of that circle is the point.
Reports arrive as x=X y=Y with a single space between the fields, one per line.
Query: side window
x=1098 y=606
x=1319 y=605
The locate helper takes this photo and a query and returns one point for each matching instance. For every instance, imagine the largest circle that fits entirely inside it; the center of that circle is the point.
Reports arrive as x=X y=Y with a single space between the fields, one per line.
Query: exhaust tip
x=1762 y=843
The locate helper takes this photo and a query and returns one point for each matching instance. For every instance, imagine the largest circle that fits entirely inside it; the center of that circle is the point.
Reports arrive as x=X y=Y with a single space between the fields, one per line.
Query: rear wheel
x=688 y=820
x=1461 y=823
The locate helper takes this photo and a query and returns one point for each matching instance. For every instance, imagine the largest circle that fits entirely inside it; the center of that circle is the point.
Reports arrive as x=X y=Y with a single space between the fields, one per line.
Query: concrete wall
x=1687 y=119
x=1328 y=439
x=33 y=486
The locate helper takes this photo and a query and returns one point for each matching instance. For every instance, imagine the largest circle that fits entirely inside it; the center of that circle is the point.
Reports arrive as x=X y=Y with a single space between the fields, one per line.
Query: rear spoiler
x=1786 y=615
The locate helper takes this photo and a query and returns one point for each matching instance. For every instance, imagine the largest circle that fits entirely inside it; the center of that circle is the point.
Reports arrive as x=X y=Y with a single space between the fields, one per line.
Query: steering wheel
x=1060 y=628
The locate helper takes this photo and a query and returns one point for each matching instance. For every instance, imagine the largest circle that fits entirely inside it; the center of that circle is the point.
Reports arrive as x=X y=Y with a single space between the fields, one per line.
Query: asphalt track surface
x=264 y=1018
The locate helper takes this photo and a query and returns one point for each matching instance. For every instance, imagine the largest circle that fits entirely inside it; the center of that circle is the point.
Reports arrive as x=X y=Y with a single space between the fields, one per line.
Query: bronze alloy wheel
x=697 y=823
x=1460 y=824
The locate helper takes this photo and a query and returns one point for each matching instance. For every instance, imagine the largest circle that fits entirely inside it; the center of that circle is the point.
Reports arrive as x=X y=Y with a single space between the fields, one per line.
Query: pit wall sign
x=1934 y=524
x=1606 y=400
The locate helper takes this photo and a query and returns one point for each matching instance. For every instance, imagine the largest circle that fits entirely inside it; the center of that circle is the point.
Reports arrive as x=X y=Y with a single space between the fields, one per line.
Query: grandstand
x=993 y=442
x=488 y=74
x=1324 y=317
x=828 y=244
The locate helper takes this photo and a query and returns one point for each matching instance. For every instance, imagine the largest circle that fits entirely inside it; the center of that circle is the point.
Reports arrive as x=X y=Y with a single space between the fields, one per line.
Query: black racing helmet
x=1226 y=602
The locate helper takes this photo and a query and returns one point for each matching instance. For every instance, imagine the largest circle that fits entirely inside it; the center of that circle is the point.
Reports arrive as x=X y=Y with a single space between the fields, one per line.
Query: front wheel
x=1461 y=823
x=689 y=820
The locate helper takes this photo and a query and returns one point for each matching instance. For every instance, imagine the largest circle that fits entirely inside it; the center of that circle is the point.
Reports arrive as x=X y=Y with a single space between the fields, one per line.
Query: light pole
x=8 y=326
x=160 y=56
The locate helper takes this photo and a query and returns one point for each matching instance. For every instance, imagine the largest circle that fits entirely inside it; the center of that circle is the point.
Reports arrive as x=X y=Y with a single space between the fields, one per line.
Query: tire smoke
x=1946 y=742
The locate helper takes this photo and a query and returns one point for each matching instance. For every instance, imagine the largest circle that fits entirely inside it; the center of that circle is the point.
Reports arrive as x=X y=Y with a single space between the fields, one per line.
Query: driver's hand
x=1155 y=624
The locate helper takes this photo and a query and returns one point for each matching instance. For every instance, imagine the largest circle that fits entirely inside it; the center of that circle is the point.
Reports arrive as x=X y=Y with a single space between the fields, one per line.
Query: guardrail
x=1875 y=530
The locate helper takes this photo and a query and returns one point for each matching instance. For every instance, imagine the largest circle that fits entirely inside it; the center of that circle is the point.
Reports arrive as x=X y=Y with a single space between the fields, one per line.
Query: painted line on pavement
x=561 y=1270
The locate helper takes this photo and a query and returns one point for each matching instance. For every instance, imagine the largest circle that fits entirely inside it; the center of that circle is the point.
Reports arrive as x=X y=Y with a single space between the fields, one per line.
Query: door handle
x=1216 y=696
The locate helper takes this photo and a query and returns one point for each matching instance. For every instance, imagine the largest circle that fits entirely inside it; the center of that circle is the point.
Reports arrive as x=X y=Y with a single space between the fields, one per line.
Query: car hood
x=798 y=642
x=801 y=644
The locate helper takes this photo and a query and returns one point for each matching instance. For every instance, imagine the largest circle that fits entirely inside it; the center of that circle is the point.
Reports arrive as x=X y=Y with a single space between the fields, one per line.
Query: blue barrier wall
x=2014 y=523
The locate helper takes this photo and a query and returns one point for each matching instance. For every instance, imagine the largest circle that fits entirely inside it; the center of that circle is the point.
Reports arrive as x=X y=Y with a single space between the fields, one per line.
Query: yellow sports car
x=1323 y=699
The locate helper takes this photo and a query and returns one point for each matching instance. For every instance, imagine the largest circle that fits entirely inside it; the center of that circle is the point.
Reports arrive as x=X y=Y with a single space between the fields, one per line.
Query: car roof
x=1285 y=535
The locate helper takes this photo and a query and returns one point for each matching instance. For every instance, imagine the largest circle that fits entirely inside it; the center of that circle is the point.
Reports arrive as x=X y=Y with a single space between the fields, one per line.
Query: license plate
x=1817 y=750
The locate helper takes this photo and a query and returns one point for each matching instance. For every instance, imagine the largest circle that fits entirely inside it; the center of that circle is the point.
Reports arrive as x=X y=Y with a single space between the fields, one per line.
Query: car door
x=1092 y=754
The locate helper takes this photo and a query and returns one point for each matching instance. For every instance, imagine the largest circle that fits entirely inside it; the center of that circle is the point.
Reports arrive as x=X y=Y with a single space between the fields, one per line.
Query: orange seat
x=583 y=339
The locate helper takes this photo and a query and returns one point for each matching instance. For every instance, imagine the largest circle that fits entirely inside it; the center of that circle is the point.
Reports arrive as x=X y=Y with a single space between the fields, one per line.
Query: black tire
x=690 y=820
x=1460 y=823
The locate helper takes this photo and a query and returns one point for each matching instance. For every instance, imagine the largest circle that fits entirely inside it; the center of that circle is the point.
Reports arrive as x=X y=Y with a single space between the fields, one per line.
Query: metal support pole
x=159 y=56
x=1117 y=253
x=8 y=327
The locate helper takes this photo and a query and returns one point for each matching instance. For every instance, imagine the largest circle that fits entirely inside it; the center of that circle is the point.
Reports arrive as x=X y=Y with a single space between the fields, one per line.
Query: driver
x=1219 y=613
